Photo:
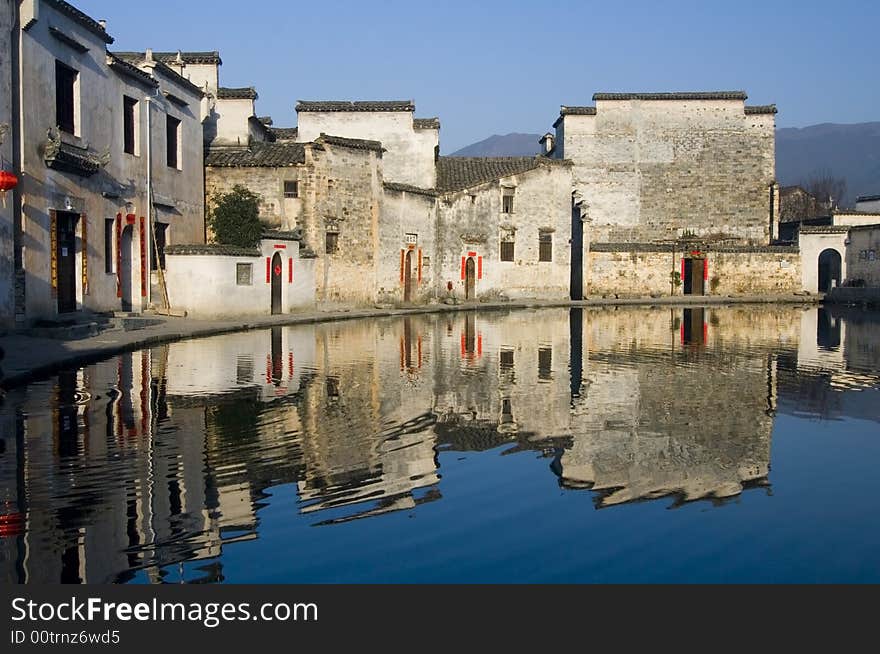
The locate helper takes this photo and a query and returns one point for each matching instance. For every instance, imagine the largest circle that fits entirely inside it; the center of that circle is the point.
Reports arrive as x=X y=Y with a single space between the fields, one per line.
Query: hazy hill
x=506 y=145
x=848 y=151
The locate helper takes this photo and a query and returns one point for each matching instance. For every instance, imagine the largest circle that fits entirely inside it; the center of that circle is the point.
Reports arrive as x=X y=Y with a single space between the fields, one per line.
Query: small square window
x=291 y=189
x=331 y=242
x=244 y=274
x=507 y=250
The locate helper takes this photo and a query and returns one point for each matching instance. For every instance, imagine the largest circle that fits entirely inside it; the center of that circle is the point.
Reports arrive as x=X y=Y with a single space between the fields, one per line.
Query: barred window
x=291 y=189
x=545 y=246
x=507 y=250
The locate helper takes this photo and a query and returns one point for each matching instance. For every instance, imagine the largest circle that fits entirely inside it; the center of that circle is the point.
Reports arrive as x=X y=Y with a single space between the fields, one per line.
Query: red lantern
x=8 y=181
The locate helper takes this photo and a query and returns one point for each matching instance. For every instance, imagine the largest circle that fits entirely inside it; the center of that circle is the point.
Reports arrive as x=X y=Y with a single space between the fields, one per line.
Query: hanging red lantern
x=8 y=181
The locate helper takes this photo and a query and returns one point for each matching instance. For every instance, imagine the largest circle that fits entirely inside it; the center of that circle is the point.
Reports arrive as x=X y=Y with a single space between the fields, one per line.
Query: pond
x=728 y=444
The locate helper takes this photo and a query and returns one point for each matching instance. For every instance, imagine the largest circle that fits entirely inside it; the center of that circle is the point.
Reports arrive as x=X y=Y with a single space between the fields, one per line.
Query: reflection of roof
x=84 y=20
x=344 y=105
x=257 y=155
x=457 y=173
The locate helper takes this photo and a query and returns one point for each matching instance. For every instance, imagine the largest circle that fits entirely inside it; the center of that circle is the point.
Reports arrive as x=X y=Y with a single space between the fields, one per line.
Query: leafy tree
x=234 y=217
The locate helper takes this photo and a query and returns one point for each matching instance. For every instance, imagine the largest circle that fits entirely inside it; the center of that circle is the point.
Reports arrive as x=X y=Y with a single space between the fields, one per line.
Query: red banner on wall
x=144 y=269
x=268 y=270
x=290 y=271
x=119 y=255
x=706 y=269
x=53 y=255
x=420 y=266
x=479 y=267
x=463 y=267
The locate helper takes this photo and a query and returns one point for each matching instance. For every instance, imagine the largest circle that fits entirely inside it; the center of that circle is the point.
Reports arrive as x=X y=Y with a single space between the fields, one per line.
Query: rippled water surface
x=610 y=445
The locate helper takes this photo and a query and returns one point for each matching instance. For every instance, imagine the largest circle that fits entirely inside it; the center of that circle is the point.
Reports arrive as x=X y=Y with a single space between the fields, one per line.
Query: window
x=331 y=242
x=506 y=359
x=244 y=274
x=173 y=141
x=545 y=363
x=545 y=246
x=65 y=97
x=291 y=189
x=507 y=204
x=129 y=111
x=507 y=250
x=109 y=259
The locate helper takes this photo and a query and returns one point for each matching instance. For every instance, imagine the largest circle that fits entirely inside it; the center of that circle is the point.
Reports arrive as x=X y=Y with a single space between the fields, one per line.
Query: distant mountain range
x=848 y=151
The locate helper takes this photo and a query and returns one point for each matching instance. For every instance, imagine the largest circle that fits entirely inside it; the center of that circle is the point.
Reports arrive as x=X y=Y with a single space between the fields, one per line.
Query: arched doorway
x=829 y=270
x=276 y=284
x=407 y=277
x=470 y=279
x=125 y=271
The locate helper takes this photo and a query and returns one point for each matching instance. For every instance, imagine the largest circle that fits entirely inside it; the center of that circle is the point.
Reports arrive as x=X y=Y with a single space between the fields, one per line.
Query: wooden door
x=470 y=279
x=125 y=270
x=407 y=277
x=276 y=284
x=66 y=257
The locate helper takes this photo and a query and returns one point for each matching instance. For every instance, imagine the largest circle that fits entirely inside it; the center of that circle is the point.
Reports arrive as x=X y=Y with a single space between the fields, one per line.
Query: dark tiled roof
x=266 y=120
x=687 y=95
x=825 y=229
x=189 y=57
x=278 y=235
x=354 y=144
x=457 y=173
x=212 y=248
x=126 y=68
x=868 y=198
x=426 y=123
x=761 y=109
x=284 y=133
x=258 y=155
x=343 y=105
x=137 y=58
x=241 y=93
x=851 y=212
x=408 y=188
x=574 y=111
x=70 y=158
x=87 y=22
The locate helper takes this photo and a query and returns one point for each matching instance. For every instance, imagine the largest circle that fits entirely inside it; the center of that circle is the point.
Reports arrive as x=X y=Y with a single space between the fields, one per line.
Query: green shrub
x=234 y=218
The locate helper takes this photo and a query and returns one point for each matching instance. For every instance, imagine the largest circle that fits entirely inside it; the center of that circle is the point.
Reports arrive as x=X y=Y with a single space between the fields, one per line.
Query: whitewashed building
x=94 y=131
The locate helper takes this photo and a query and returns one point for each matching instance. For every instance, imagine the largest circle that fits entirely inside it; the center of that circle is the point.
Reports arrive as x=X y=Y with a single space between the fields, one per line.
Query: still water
x=610 y=445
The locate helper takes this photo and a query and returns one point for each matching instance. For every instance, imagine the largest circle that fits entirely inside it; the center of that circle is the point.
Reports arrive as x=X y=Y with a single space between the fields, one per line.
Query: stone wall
x=652 y=169
x=276 y=211
x=863 y=255
x=471 y=221
x=7 y=259
x=409 y=156
x=640 y=272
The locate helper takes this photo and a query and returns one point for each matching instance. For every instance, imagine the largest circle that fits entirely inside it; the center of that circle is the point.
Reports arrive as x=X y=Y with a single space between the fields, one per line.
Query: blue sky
x=497 y=67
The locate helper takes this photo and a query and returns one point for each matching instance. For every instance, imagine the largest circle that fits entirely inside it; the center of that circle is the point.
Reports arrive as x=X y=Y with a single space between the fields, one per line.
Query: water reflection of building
x=149 y=464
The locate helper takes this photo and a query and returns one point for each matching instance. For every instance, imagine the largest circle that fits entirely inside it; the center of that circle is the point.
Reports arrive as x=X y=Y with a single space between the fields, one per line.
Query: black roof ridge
x=82 y=18
x=673 y=95
x=355 y=105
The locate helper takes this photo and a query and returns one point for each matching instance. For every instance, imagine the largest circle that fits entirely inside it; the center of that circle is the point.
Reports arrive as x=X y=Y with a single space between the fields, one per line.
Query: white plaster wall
x=231 y=118
x=856 y=219
x=811 y=246
x=410 y=152
x=205 y=285
x=402 y=214
x=7 y=301
x=863 y=255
